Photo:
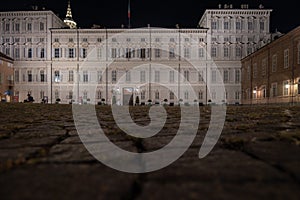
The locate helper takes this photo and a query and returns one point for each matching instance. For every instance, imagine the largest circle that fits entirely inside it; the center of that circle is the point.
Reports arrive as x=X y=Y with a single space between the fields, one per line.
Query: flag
x=129 y=9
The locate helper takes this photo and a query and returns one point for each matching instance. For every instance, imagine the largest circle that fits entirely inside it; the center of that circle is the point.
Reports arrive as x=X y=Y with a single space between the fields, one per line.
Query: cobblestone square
x=256 y=157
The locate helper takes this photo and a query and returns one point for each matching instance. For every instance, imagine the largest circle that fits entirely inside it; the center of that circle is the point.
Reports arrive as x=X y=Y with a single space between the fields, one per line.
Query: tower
x=69 y=20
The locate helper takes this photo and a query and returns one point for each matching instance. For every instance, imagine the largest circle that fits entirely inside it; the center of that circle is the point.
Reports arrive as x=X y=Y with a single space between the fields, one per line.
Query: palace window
x=237 y=76
x=71 y=53
x=200 y=95
x=85 y=76
x=83 y=52
x=142 y=76
x=42 y=54
x=226 y=52
x=29 y=27
x=187 y=52
x=250 y=25
x=264 y=67
x=226 y=25
x=30 y=53
x=186 y=95
x=286 y=58
x=213 y=25
x=99 y=94
x=17 y=76
x=157 y=76
x=214 y=52
x=201 y=52
x=157 y=53
x=42 y=26
x=200 y=76
x=254 y=70
x=171 y=76
x=238 y=26
x=274 y=89
x=226 y=76
x=99 y=76
x=71 y=76
x=238 y=51
x=262 y=26
x=114 y=76
x=57 y=77
x=42 y=76
x=186 y=74
x=171 y=53
x=143 y=95
x=17 y=27
x=213 y=76
x=113 y=53
x=29 y=76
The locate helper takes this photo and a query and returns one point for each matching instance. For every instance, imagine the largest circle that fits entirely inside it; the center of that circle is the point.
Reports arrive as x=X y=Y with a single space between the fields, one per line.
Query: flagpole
x=129 y=14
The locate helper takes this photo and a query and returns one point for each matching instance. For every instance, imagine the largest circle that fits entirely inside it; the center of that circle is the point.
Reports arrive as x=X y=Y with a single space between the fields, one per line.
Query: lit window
x=57 y=77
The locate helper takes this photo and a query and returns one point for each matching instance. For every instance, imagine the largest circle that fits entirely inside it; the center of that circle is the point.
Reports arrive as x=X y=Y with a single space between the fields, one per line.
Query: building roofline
x=32 y=11
x=272 y=43
x=2 y=55
x=154 y=29
x=232 y=10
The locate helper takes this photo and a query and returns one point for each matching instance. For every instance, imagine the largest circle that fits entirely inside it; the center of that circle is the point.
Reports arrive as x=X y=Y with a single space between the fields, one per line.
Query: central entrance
x=127 y=96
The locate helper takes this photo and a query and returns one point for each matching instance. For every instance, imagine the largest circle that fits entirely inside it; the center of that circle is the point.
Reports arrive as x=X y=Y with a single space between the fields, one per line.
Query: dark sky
x=157 y=13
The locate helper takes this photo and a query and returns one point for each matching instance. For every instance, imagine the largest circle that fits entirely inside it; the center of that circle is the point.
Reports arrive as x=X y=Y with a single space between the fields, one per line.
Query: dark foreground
x=257 y=157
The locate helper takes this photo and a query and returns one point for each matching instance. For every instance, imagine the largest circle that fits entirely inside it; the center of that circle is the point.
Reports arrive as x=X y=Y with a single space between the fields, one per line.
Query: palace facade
x=57 y=61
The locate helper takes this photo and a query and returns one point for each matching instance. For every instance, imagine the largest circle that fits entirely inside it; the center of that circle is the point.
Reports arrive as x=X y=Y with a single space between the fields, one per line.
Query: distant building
x=69 y=19
x=6 y=78
x=272 y=73
x=55 y=62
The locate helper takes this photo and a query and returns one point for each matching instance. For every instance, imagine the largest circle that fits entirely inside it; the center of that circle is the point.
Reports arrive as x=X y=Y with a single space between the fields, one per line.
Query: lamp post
x=288 y=87
x=255 y=94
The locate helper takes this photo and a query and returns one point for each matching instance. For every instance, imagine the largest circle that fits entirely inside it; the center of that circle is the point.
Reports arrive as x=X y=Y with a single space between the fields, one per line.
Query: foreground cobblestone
x=257 y=156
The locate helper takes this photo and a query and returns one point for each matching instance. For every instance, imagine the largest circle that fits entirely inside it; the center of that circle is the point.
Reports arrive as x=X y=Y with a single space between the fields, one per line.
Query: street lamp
x=255 y=93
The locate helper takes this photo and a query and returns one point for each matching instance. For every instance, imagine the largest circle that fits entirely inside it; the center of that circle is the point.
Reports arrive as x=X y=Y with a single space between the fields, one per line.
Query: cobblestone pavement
x=257 y=156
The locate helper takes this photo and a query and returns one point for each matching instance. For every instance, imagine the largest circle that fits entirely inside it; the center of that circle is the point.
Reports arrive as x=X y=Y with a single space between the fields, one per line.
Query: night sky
x=157 y=13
